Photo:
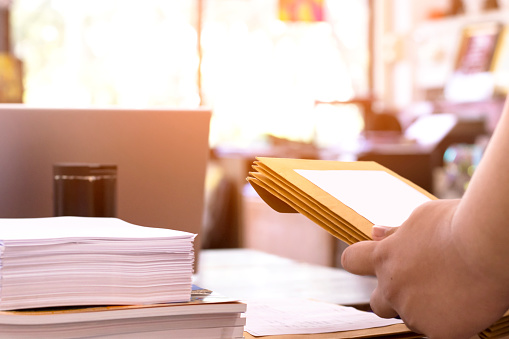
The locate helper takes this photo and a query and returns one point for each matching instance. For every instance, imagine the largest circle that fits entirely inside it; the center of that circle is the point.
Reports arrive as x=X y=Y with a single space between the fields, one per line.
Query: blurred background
x=416 y=86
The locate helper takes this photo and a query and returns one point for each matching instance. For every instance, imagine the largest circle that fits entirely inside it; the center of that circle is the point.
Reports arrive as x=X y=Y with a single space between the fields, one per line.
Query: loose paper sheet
x=51 y=229
x=278 y=317
x=378 y=196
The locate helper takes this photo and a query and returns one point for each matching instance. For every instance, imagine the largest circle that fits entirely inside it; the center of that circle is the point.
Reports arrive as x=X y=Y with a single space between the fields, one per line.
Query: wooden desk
x=249 y=274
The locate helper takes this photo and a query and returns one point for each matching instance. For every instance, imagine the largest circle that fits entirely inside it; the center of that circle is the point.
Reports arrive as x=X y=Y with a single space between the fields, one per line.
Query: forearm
x=481 y=221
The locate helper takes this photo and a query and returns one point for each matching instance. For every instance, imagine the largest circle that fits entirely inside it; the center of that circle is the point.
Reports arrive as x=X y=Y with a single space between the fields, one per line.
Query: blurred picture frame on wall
x=478 y=47
x=473 y=78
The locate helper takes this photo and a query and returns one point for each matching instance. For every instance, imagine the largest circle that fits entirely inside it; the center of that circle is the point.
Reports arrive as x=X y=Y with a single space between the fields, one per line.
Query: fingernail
x=379 y=232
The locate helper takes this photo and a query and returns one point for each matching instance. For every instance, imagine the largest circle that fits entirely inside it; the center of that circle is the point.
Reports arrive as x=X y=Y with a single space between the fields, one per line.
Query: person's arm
x=482 y=220
x=445 y=271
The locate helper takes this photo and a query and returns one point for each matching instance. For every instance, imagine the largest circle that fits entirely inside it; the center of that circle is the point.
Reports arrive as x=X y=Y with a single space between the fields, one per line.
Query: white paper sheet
x=47 y=230
x=378 y=196
x=278 y=317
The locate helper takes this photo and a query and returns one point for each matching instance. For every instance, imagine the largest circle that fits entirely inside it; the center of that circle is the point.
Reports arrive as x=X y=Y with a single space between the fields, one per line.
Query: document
x=300 y=316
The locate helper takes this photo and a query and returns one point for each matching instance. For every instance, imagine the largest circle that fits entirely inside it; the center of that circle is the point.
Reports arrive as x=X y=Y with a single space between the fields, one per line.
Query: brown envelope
x=286 y=191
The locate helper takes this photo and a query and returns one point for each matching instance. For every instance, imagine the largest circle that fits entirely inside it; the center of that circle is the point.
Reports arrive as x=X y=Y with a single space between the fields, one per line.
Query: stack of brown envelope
x=279 y=184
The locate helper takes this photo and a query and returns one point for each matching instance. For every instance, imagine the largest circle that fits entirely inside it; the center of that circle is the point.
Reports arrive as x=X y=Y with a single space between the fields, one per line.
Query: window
x=259 y=75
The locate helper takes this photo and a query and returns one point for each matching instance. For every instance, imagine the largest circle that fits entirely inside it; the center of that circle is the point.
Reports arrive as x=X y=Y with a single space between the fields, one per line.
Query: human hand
x=424 y=277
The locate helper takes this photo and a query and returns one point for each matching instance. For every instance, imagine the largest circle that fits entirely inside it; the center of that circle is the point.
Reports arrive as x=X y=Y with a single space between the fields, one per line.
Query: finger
x=381 y=306
x=379 y=232
x=357 y=258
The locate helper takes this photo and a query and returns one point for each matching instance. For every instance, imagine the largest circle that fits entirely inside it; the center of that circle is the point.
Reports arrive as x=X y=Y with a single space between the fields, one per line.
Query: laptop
x=161 y=157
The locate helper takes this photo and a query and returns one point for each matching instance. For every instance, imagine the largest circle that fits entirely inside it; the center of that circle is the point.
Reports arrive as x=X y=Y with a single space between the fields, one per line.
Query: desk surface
x=248 y=274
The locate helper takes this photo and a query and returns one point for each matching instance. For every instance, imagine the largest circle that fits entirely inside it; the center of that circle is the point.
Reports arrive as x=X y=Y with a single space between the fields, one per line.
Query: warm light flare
x=259 y=75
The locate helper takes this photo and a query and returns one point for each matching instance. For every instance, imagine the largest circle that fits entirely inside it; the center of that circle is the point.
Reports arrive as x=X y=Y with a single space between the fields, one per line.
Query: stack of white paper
x=62 y=261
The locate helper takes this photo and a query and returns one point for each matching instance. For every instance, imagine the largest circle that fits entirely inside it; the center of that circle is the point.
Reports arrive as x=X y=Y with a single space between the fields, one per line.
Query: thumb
x=379 y=232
